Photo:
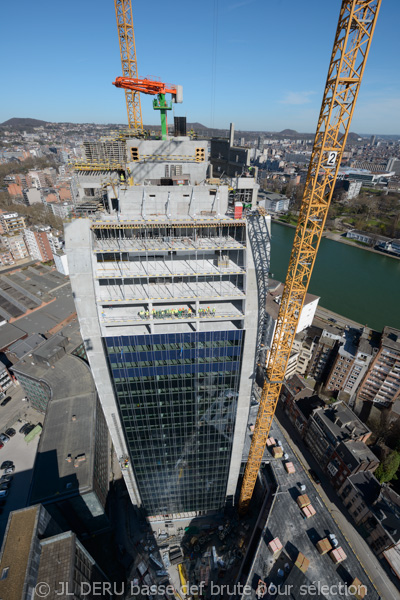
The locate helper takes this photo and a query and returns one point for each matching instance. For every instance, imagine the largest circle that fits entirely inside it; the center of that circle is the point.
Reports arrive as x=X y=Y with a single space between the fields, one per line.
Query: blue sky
x=259 y=63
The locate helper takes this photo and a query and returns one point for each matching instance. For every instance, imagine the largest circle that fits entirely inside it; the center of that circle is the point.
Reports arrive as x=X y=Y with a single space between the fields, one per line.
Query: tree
x=365 y=206
x=298 y=196
x=388 y=467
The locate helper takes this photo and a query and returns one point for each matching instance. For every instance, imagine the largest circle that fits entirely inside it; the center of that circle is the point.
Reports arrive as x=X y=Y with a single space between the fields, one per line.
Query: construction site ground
x=204 y=555
x=297 y=534
x=387 y=585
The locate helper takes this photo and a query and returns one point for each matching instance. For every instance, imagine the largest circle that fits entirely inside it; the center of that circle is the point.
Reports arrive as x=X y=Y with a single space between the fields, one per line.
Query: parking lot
x=18 y=451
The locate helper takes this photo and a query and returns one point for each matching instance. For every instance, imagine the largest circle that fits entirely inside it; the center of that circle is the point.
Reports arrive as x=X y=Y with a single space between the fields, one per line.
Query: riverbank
x=364 y=287
x=337 y=237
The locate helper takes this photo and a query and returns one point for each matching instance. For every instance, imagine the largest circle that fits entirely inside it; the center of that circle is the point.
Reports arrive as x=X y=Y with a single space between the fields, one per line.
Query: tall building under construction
x=168 y=280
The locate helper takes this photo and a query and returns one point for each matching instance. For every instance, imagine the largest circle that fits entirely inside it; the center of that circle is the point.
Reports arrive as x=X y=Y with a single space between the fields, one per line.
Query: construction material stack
x=275 y=546
x=338 y=555
x=289 y=466
x=324 y=546
x=360 y=589
x=277 y=452
x=302 y=562
x=303 y=501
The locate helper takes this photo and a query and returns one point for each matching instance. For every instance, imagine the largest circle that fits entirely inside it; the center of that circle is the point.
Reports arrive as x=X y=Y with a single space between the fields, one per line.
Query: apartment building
x=374 y=506
x=37 y=242
x=299 y=401
x=324 y=354
x=273 y=202
x=6 y=258
x=15 y=243
x=23 y=180
x=6 y=380
x=11 y=222
x=304 y=344
x=336 y=437
x=381 y=384
x=349 y=457
x=36 y=552
x=38 y=179
x=351 y=362
x=61 y=262
x=275 y=290
x=63 y=210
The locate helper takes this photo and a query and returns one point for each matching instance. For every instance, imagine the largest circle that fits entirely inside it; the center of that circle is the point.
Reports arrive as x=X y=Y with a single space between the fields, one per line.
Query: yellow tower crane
x=354 y=33
x=123 y=12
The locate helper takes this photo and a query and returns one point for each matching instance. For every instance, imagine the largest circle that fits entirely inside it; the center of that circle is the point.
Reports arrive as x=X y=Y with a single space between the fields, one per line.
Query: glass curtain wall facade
x=177 y=398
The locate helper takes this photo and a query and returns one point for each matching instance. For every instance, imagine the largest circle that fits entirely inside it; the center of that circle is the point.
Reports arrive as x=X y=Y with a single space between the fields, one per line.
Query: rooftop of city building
x=355 y=452
x=366 y=484
x=275 y=290
x=391 y=338
x=341 y=421
x=64 y=461
x=16 y=550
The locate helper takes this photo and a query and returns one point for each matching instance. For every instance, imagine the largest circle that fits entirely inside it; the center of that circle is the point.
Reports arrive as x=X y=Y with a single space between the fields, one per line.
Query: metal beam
x=354 y=33
x=126 y=36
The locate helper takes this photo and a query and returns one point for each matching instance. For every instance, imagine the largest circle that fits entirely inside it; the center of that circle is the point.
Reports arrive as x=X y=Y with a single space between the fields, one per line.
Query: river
x=352 y=282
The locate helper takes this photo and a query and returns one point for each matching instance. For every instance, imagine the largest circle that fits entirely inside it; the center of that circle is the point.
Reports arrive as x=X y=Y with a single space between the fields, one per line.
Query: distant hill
x=18 y=123
x=353 y=136
x=288 y=132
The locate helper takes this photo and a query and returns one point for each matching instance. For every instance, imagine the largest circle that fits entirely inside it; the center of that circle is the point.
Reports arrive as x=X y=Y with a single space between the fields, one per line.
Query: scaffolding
x=106 y=155
x=159 y=262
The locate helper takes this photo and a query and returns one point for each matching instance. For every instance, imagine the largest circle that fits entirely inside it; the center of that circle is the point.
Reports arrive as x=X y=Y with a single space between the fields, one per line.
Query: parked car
x=6 y=401
x=333 y=540
x=24 y=428
x=5 y=485
x=314 y=476
x=10 y=432
x=6 y=463
x=1 y=444
x=9 y=470
x=4 y=478
x=3 y=493
x=29 y=428
x=4 y=438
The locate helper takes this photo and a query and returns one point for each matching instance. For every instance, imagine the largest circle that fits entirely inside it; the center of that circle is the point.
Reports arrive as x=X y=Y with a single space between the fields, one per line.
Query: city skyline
x=260 y=77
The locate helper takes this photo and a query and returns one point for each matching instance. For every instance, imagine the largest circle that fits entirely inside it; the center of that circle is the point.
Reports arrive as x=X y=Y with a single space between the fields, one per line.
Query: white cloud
x=297 y=98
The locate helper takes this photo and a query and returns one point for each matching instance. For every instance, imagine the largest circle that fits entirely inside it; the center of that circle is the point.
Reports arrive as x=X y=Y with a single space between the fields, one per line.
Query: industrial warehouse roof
x=9 y=334
x=25 y=346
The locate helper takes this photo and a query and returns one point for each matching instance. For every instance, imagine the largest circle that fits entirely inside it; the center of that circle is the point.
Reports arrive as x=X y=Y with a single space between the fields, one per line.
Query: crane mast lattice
x=354 y=33
x=126 y=36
